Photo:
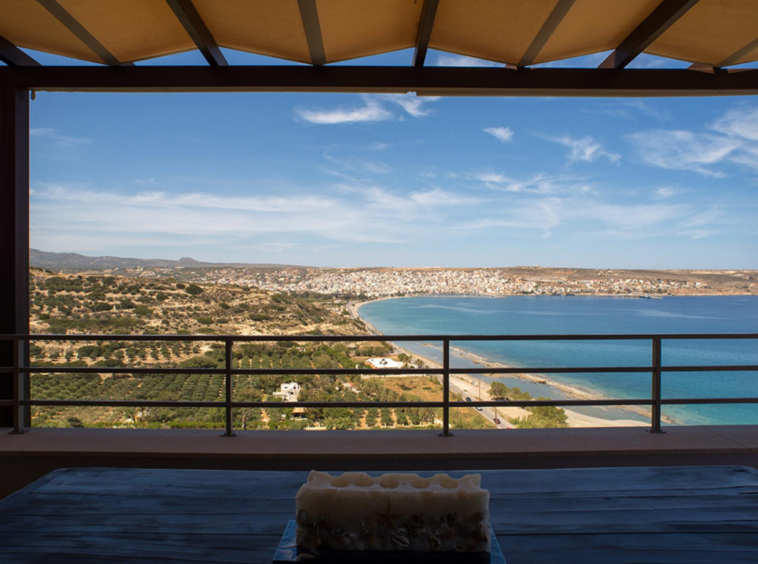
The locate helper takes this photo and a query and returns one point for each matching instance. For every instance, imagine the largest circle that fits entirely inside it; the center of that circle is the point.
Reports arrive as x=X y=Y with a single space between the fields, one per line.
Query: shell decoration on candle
x=355 y=511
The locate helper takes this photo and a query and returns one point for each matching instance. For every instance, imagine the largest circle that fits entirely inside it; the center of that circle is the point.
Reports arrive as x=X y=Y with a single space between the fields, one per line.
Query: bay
x=597 y=315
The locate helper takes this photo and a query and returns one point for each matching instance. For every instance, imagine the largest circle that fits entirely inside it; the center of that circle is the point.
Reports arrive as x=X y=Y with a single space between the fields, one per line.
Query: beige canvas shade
x=711 y=32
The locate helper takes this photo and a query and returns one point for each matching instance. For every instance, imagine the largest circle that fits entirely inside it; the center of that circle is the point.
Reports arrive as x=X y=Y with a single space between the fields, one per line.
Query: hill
x=74 y=262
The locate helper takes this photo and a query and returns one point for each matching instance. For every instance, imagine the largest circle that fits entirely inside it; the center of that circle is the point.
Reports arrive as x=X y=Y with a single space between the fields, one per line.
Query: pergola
x=711 y=35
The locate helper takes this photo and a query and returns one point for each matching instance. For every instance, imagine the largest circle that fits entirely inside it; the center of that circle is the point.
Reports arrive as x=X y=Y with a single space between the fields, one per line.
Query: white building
x=383 y=363
x=289 y=391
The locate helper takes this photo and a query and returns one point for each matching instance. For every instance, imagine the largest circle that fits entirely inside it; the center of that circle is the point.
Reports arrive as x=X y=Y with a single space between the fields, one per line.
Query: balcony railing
x=656 y=369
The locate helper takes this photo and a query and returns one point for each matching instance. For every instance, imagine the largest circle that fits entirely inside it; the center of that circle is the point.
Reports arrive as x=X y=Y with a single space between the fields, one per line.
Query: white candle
x=355 y=511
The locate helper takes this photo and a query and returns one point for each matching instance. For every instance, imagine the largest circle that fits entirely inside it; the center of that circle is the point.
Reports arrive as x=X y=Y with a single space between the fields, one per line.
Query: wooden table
x=669 y=515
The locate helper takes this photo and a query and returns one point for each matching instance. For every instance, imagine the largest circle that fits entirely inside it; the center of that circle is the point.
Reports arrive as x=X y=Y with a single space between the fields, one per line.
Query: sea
x=595 y=315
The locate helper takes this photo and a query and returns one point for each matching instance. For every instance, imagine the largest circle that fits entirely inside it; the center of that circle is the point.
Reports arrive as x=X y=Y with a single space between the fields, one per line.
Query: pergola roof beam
x=63 y=16
x=547 y=30
x=425 y=32
x=732 y=59
x=309 y=15
x=652 y=27
x=428 y=81
x=12 y=55
x=187 y=14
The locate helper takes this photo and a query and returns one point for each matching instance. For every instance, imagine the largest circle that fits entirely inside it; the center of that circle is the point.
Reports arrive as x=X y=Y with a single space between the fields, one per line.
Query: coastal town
x=387 y=282
x=381 y=282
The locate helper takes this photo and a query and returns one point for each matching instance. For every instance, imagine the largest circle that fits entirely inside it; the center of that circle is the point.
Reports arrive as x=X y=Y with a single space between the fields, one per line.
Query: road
x=466 y=389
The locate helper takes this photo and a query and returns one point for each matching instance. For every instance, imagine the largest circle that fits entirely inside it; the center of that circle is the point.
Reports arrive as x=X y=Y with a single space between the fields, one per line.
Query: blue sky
x=351 y=180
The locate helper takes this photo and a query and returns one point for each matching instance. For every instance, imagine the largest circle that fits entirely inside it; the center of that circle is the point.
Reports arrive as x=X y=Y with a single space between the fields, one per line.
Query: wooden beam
x=661 y=19
x=734 y=57
x=63 y=16
x=729 y=61
x=450 y=81
x=14 y=246
x=13 y=56
x=426 y=24
x=309 y=15
x=188 y=16
x=548 y=28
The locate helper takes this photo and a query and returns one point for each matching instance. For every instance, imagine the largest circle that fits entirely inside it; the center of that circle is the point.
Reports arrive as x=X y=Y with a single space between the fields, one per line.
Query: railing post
x=18 y=384
x=229 y=390
x=656 y=407
x=446 y=389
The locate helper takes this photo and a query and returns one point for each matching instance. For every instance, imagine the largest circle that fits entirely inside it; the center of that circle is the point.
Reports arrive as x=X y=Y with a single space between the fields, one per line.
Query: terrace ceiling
x=709 y=34
x=516 y=32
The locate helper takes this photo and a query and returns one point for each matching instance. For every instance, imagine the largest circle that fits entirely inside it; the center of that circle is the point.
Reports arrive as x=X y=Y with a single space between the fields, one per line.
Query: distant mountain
x=75 y=261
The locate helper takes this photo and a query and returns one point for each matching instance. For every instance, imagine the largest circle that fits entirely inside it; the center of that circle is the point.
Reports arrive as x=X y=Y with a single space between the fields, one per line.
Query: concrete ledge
x=24 y=458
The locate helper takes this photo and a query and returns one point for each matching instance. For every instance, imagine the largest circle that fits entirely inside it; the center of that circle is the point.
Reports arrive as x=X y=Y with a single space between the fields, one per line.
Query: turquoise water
x=588 y=315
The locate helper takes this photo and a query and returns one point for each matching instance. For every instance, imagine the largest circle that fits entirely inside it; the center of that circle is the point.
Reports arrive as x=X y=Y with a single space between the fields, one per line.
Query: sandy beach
x=471 y=385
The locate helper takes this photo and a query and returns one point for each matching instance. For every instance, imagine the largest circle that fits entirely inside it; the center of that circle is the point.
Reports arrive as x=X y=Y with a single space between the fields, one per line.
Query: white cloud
x=50 y=134
x=463 y=61
x=492 y=178
x=628 y=109
x=412 y=104
x=91 y=219
x=683 y=150
x=630 y=217
x=591 y=215
x=371 y=111
x=585 y=149
x=376 y=167
x=439 y=197
x=696 y=226
x=663 y=192
x=735 y=141
x=739 y=122
x=357 y=166
x=374 y=109
x=648 y=110
x=747 y=156
x=701 y=219
x=543 y=215
x=536 y=184
x=502 y=134
x=379 y=197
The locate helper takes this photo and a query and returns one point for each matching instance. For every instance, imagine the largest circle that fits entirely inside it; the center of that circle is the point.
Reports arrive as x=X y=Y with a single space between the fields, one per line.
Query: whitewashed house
x=289 y=391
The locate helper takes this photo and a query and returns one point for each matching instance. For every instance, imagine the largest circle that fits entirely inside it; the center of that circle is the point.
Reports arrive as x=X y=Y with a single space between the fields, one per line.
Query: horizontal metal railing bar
x=235 y=371
x=116 y=370
x=6 y=403
x=368 y=405
x=377 y=371
x=334 y=371
x=724 y=368
x=695 y=401
x=4 y=370
x=566 y=370
x=549 y=403
x=360 y=338
x=221 y=404
x=325 y=404
x=122 y=403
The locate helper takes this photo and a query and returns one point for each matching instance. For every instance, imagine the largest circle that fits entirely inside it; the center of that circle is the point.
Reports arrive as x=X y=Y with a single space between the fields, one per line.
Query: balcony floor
x=679 y=515
x=24 y=458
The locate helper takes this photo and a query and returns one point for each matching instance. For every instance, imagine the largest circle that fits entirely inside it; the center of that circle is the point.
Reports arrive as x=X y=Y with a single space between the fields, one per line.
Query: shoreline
x=575 y=418
x=572 y=392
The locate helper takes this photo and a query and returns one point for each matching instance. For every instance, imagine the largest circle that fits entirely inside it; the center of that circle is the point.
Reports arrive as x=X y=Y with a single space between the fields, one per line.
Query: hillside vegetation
x=114 y=305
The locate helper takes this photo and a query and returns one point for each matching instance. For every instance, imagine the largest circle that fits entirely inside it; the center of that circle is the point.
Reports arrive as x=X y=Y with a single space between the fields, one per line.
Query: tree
x=498 y=390
x=193 y=290
x=543 y=417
